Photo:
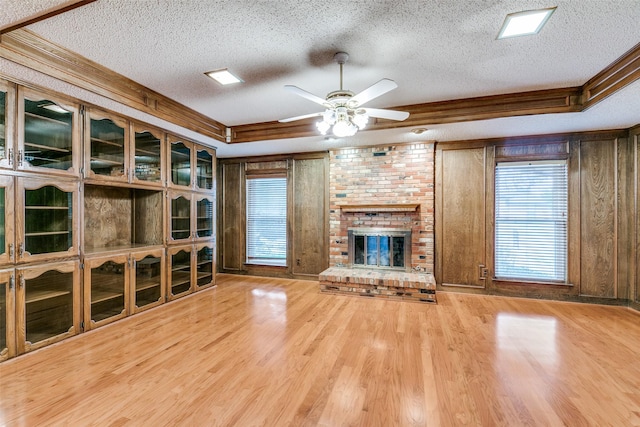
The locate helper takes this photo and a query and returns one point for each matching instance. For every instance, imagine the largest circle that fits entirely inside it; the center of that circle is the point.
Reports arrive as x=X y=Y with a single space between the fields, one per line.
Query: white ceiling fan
x=343 y=108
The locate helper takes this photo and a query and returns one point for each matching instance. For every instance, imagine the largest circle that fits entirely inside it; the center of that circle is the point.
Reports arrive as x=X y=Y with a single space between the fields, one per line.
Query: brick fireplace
x=382 y=187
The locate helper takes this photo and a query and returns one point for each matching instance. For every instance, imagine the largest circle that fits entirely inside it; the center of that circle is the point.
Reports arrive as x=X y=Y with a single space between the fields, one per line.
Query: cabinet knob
x=10 y=156
x=11 y=251
x=21 y=250
x=19 y=157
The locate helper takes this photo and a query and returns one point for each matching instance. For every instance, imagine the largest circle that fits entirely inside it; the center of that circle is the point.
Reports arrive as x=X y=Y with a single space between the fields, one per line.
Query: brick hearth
x=398 y=285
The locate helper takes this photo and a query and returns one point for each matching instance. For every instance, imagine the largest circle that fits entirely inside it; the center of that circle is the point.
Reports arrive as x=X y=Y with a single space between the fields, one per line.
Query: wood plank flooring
x=271 y=352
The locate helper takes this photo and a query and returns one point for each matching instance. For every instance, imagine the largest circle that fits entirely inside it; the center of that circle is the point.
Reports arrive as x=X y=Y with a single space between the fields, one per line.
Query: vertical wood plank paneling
x=309 y=227
x=232 y=242
x=625 y=218
x=574 y=236
x=635 y=138
x=462 y=226
x=598 y=160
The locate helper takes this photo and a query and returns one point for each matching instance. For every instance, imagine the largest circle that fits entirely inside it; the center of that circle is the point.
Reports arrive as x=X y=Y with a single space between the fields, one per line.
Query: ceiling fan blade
x=311 y=97
x=305 y=116
x=387 y=114
x=373 y=91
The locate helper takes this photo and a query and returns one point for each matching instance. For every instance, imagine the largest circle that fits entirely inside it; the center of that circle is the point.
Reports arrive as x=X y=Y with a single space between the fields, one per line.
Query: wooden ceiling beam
x=45 y=14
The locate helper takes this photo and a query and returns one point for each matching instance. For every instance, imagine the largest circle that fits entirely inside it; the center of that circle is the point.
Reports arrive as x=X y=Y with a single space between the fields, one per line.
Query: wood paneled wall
x=308 y=237
x=603 y=219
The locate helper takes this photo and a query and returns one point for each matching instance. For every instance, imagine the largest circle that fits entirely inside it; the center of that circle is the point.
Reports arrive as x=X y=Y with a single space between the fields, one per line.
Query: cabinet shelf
x=179 y=153
x=42 y=295
x=144 y=284
x=107 y=142
x=180 y=267
x=199 y=263
x=47 y=119
x=203 y=275
x=46 y=233
x=180 y=217
x=107 y=161
x=147 y=152
x=48 y=208
x=46 y=147
x=102 y=296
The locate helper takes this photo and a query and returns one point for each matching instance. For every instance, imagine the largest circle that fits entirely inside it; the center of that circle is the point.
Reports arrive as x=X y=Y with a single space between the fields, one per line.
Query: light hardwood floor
x=259 y=351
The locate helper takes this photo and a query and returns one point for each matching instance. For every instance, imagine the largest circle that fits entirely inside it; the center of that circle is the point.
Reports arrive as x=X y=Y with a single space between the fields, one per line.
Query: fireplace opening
x=382 y=248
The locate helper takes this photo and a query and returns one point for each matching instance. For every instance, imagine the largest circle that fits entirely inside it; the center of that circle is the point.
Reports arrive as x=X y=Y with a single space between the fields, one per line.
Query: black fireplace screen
x=380 y=248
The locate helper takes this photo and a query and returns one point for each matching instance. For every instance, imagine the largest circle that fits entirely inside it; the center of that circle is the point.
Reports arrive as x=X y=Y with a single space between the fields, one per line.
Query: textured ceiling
x=435 y=50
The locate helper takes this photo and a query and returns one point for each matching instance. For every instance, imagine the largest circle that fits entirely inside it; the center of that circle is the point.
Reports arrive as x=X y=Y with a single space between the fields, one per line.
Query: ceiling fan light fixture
x=344 y=128
x=360 y=118
x=323 y=126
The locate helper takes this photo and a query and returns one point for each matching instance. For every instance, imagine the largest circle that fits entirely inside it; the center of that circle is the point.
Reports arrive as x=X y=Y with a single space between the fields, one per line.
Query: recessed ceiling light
x=224 y=77
x=525 y=23
x=419 y=131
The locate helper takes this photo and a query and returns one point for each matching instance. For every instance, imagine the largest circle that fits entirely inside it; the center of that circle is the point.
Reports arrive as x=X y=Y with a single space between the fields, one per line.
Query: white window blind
x=267 y=221
x=531 y=221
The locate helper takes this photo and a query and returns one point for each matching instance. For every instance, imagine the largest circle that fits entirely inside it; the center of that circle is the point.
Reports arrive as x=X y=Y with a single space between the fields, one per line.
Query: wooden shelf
x=390 y=207
x=107 y=161
x=180 y=267
x=98 y=296
x=147 y=152
x=46 y=147
x=147 y=283
x=42 y=295
x=107 y=142
x=48 y=119
x=46 y=233
x=47 y=208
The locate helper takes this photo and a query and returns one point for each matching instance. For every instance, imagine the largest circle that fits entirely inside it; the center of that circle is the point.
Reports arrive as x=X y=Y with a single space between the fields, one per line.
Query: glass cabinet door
x=46 y=304
x=107 y=147
x=49 y=212
x=148 y=280
x=180 y=269
x=49 y=135
x=180 y=216
x=7 y=103
x=204 y=168
x=204 y=265
x=105 y=287
x=180 y=158
x=7 y=314
x=147 y=155
x=7 y=246
x=204 y=217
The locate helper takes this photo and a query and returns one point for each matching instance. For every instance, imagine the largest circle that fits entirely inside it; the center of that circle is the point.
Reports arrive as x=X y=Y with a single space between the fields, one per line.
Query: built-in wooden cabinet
x=105 y=289
x=87 y=216
x=106 y=147
x=191 y=216
x=148 y=155
x=7 y=314
x=191 y=166
x=48 y=135
x=147 y=287
x=119 y=285
x=204 y=257
x=7 y=111
x=47 y=304
x=47 y=222
x=180 y=271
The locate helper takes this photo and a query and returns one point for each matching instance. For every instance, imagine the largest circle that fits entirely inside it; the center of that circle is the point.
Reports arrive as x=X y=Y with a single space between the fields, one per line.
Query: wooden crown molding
x=57 y=10
x=562 y=100
x=29 y=49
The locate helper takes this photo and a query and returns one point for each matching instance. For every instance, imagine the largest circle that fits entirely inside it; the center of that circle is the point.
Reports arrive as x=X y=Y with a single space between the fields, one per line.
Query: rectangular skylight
x=224 y=76
x=525 y=23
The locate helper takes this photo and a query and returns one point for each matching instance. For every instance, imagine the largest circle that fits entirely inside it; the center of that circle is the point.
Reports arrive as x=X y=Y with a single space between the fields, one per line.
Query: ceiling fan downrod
x=341 y=58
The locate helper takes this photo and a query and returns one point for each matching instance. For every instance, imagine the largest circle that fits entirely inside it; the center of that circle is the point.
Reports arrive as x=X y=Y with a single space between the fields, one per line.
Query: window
x=267 y=220
x=531 y=221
